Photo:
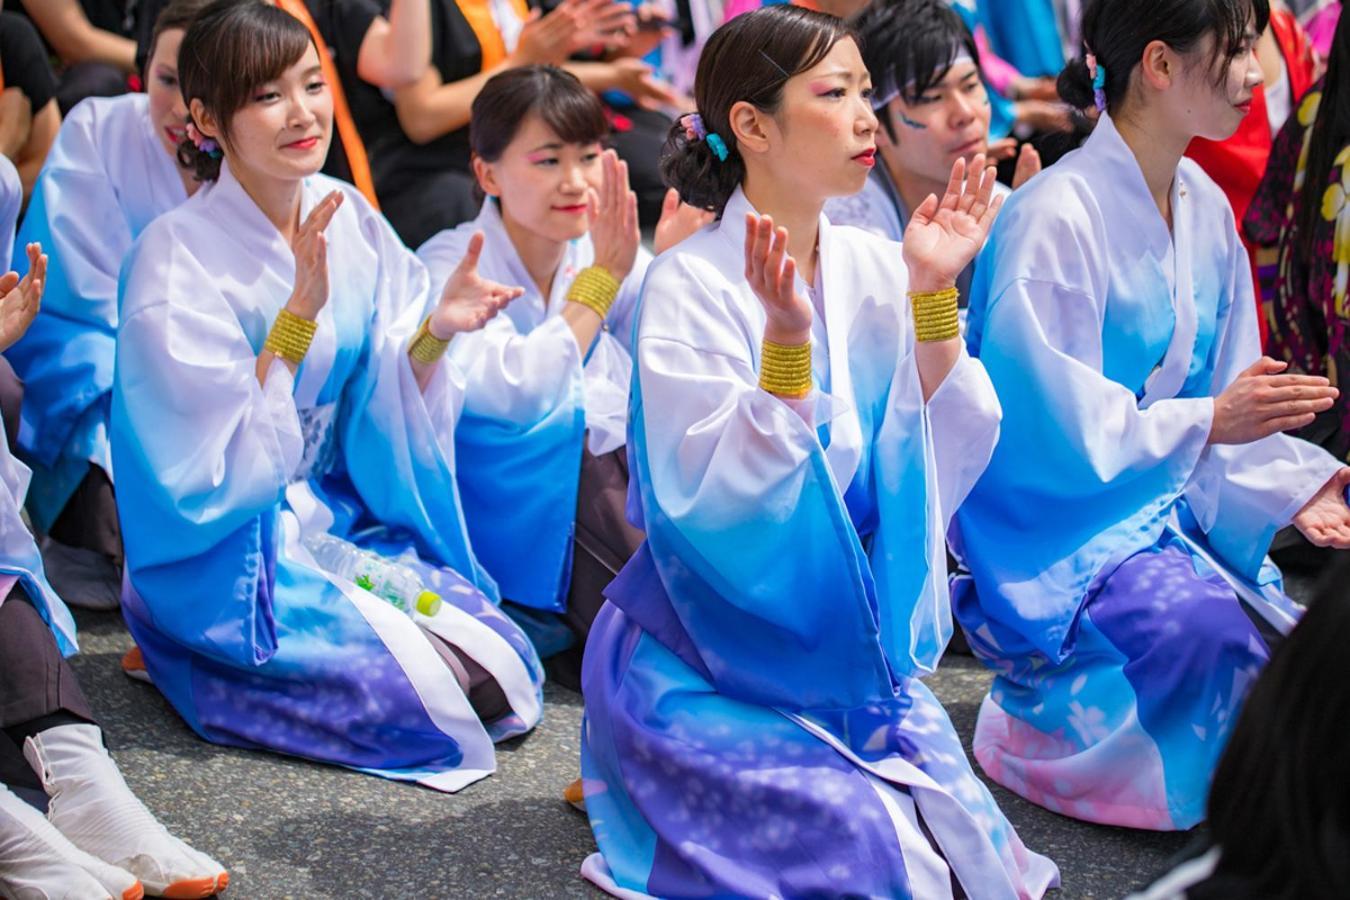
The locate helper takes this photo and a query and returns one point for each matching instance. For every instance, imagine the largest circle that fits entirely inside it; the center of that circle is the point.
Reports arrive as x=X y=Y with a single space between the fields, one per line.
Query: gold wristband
x=290 y=336
x=426 y=348
x=936 y=317
x=785 y=369
x=594 y=288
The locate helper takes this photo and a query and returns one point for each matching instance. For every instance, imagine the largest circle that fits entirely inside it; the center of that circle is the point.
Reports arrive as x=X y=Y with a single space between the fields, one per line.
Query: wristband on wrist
x=936 y=317
x=290 y=336
x=785 y=369
x=425 y=347
x=594 y=288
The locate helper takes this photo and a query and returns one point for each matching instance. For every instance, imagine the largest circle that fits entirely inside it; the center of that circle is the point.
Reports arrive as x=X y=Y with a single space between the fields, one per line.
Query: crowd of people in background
x=727 y=361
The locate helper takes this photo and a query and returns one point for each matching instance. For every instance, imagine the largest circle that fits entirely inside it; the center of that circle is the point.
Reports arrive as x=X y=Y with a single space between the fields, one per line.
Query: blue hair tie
x=719 y=146
x=1098 y=72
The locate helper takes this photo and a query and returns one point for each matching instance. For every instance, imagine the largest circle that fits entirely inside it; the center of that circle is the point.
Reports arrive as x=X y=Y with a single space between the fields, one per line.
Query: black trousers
x=37 y=687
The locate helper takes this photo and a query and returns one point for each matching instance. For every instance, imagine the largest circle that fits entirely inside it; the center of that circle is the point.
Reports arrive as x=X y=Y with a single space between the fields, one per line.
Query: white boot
x=38 y=863
x=93 y=807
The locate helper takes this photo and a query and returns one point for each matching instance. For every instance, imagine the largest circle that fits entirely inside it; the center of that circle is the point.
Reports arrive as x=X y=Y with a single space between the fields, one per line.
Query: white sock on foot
x=93 y=807
x=37 y=862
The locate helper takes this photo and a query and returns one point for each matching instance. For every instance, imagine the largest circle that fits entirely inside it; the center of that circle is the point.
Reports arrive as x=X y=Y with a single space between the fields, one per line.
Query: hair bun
x=694 y=171
x=1075 y=85
x=202 y=165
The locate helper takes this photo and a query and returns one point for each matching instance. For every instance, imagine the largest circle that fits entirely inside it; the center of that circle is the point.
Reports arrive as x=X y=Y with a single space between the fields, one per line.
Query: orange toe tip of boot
x=222 y=882
x=575 y=795
x=192 y=888
x=135 y=892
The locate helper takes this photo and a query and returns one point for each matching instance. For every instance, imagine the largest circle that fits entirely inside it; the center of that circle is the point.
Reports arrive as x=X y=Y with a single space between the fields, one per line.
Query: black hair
x=909 y=46
x=1117 y=31
x=747 y=59
x=231 y=48
x=177 y=14
x=1330 y=135
x=1279 y=806
x=567 y=107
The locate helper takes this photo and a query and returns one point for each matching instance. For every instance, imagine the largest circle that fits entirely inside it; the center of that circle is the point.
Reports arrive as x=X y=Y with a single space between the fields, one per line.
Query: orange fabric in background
x=352 y=145
x=478 y=13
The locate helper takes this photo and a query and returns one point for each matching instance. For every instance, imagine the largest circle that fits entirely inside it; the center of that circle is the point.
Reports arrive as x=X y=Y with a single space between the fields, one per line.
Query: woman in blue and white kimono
x=252 y=410
x=1118 y=539
x=111 y=172
x=755 y=720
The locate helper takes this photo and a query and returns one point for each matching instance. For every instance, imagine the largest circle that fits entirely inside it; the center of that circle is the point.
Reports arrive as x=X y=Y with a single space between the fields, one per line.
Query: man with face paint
x=933 y=108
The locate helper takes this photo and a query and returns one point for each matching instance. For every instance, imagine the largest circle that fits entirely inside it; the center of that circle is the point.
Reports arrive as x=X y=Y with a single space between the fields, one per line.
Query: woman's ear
x=487 y=177
x=749 y=128
x=205 y=122
x=1158 y=67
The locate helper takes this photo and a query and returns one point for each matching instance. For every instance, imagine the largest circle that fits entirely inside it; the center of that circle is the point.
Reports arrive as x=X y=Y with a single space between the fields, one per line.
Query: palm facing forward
x=944 y=235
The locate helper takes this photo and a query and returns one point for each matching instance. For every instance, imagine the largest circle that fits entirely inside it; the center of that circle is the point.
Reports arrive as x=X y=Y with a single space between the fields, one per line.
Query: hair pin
x=770 y=60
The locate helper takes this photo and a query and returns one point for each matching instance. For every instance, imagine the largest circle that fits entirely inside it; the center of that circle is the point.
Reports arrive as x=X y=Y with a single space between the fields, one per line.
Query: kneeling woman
x=546 y=399
x=1118 y=538
x=278 y=377
x=755 y=723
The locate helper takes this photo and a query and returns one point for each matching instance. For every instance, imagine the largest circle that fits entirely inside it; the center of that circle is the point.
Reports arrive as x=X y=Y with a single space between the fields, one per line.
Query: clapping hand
x=469 y=301
x=772 y=275
x=20 y=298
x=944 y=235
x=310 y=247
x=1325 y=519
x=614 y=228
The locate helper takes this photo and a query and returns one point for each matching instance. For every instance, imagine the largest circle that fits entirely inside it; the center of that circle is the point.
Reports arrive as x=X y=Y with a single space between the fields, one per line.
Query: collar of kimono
x=1112 y=162
x=352 y=145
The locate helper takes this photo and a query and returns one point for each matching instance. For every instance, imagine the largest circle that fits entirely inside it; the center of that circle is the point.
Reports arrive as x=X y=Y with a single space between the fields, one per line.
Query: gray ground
x=287 y=828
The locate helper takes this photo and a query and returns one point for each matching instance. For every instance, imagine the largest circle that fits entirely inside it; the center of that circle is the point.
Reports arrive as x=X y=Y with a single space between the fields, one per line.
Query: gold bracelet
x=426 y=348
x=785 y=369
x=594 y=288
x=290 y=336
x=936 y=317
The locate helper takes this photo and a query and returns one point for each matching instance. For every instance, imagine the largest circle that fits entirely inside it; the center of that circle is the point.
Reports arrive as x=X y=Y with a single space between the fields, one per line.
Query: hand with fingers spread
x=772 y=275
x=20 y=298
x=1263 y=401
x=678 y=221
x=1325 y=519
x=310 y=247
x=944 y=235
x=469 y=301
x=614 y=228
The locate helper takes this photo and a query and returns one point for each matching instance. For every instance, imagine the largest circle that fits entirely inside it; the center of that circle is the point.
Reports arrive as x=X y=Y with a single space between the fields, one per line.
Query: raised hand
x=1028 y=166
x=310 y=247
x=1325 y=519
x=772 y=275
x=678 y=221
x=944 y=236
x=469 y=301
x=572 y=25
x=20 y=298
x=1262 y=401
x=614 y=228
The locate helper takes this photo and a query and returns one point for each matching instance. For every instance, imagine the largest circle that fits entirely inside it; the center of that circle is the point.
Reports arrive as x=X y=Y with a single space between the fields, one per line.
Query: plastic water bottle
x=387 y=580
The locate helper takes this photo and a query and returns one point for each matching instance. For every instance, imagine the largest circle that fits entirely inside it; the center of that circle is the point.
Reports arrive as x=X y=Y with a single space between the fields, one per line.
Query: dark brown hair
x=231 y=48
x=747 y=59
x=567 y=107
x=1117 y=31
x=178 y=14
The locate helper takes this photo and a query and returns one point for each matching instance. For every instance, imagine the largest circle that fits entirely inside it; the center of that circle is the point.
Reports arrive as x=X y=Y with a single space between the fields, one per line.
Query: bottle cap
x=428 y=603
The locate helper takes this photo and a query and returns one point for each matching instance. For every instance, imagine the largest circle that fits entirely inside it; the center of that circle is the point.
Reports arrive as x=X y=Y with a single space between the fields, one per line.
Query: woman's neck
x=279 y=199
x=913 y=189
x=541 y=256
x=1158 y=153
x=788 y=209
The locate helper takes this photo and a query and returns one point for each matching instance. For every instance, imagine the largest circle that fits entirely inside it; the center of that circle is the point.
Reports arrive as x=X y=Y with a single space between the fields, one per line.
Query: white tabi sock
x=37 y=862
x=93 y=807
